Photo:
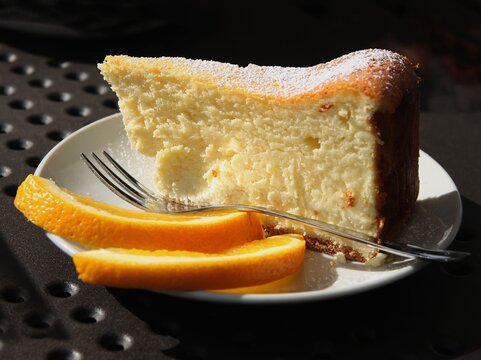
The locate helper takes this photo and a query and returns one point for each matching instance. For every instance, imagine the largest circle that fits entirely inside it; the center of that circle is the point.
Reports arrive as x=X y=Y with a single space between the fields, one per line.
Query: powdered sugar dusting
x=292 y=81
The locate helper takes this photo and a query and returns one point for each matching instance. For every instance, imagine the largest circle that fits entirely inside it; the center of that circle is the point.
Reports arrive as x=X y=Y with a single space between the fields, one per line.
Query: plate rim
x=264 y=298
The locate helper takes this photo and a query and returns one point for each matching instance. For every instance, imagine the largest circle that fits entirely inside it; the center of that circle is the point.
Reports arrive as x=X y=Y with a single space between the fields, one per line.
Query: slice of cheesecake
x=336 y=141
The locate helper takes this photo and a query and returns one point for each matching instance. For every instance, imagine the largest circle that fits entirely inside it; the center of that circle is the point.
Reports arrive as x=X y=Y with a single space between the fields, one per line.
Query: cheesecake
x=337 y=141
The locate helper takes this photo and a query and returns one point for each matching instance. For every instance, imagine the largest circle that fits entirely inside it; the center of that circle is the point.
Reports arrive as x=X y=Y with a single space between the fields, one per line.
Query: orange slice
x=96 y=224
x=253 y=263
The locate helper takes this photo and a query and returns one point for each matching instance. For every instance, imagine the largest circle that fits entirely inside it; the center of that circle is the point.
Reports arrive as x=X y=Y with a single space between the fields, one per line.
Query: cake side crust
x=397 y=161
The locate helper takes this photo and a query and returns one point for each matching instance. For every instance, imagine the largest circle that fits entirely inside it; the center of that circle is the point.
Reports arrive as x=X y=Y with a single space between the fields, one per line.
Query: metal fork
x=131 y=190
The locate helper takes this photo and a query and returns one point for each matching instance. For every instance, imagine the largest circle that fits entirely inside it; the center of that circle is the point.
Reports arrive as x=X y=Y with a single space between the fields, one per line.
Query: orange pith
x=252 y=263
x=95 y=224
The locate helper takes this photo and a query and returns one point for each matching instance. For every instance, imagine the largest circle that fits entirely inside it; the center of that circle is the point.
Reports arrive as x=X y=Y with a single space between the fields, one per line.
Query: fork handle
x=400 y=249
x=141 y=197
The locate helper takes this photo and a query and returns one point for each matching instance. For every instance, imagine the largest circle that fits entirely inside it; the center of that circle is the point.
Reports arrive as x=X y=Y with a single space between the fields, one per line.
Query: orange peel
x=253 y=263
x=96 y=224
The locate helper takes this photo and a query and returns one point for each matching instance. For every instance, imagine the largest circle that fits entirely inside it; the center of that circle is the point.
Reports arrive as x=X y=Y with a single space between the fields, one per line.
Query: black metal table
x=50 y=87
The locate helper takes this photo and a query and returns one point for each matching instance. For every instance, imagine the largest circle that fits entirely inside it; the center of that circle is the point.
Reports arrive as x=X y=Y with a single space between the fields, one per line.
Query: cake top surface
x=377 y=73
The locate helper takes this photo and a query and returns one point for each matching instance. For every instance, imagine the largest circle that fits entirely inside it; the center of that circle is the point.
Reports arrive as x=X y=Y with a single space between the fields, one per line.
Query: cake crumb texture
x=336 y=141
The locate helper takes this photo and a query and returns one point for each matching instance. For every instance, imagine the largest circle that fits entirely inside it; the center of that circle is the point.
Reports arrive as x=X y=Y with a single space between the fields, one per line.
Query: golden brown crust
x=387 y=77
x=329 y=247
x=324 y=245
x=380 y=74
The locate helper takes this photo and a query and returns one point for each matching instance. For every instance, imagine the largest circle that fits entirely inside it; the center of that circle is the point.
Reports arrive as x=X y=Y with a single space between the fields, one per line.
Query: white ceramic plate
x=435 y=222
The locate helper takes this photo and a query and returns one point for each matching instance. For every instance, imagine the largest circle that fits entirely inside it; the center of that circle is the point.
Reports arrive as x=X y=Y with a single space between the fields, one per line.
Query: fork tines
x=119 y=181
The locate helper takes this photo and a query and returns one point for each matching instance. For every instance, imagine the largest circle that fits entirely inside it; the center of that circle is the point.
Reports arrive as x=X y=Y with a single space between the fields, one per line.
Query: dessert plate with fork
x=434 y=224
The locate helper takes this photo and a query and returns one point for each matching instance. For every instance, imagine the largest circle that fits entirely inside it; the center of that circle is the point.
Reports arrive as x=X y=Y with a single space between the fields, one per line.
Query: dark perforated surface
x=46 y=313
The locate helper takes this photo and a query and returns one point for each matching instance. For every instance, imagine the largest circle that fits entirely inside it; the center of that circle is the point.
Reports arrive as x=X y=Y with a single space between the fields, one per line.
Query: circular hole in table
x=111 y=103
x=96 y=89
x=21 y=104
x=57 y=135
x=116 y=342
x=62 y=289
x=23 y=69
x=88 y=314
x=366 y=335
x=19 y=144
x=33 y=161
x=447 y=345
x=64 y=354
x=460 y=268
x=59 y=96
x=5 y=128
x=39 y=320
x=60 y=64
x=7 y=90
x=78 y=111
x=41 y=83
x=8 y=57
x=465 y=234
x=10 y=190
x=40 y=119
x=77 y=76
x=13 y=294
x=5 y=171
